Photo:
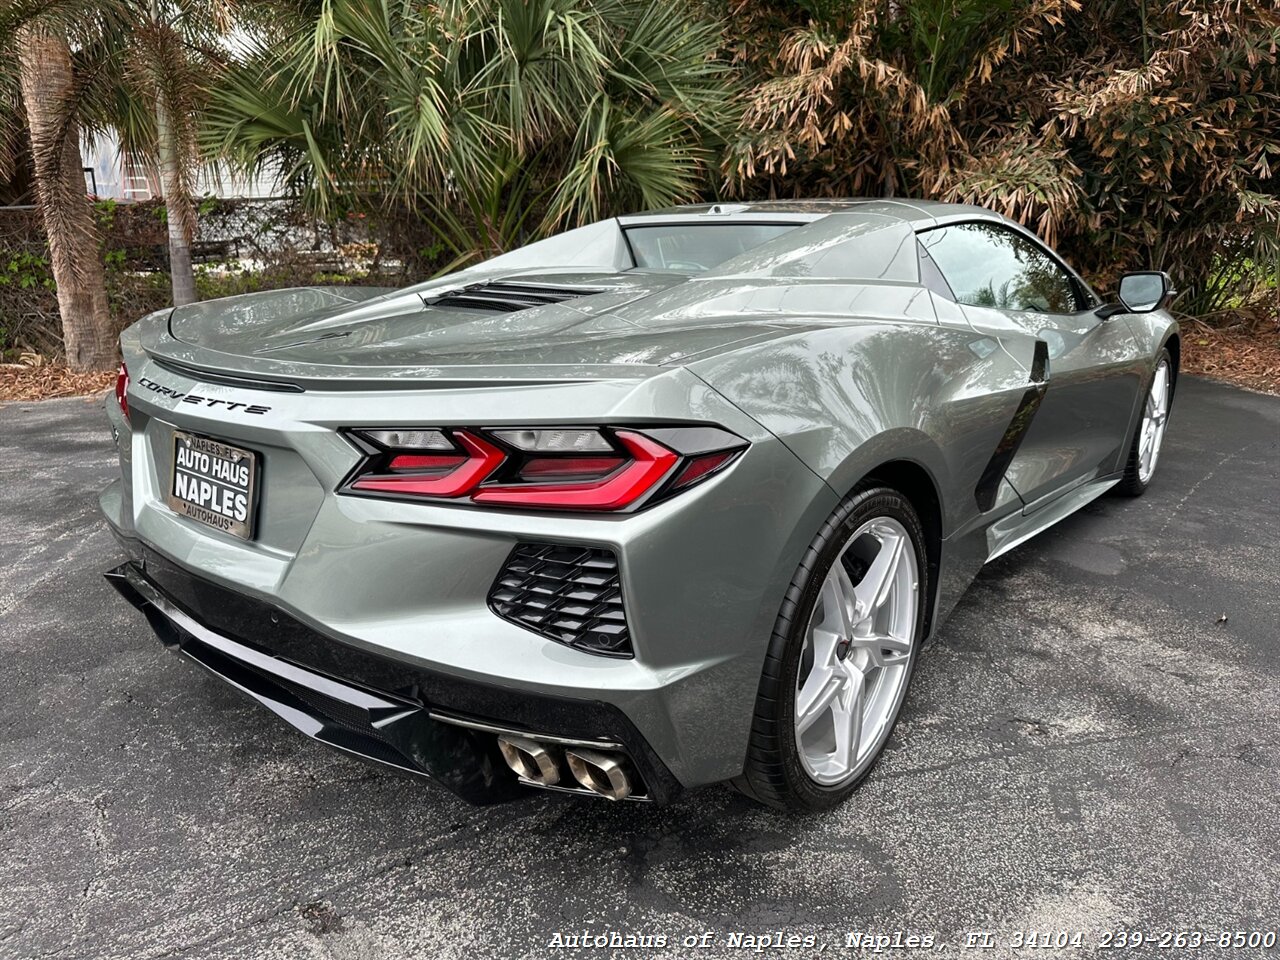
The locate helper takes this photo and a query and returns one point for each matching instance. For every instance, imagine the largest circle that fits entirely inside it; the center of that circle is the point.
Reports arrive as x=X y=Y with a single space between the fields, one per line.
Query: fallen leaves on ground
x=42 y=381
x=1246 y=353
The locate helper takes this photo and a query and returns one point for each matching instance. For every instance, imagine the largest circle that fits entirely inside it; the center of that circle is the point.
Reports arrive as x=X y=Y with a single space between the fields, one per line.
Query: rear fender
x=847 y=399
x=852 y=398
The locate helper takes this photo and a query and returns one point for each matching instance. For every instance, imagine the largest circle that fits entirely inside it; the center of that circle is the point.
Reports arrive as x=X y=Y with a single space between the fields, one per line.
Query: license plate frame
x=223 y=512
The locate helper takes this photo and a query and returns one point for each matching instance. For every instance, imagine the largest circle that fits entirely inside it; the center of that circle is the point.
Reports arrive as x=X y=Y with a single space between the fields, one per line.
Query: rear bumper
x=414 y=721
x=702 y=574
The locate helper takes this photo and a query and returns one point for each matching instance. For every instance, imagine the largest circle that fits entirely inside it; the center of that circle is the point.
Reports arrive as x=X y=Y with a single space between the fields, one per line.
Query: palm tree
x=47 y=82
x=171 y=43
x=145 y=66
x=499 y=119
x=139 y=71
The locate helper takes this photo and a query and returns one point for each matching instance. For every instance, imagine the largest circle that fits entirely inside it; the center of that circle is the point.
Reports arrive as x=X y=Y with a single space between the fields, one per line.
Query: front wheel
x=1144 y=452
x=841 y=656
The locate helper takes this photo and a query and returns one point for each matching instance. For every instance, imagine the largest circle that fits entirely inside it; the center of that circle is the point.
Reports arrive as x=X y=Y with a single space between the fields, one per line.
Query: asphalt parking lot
x=1089 y=745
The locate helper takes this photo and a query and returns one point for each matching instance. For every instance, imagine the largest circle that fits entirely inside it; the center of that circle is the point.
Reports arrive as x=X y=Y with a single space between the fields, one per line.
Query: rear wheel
x=841 y=656
x=1144 y=452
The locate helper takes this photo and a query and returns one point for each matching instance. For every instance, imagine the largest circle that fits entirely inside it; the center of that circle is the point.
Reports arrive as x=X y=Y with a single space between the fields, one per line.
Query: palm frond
x=510 y=116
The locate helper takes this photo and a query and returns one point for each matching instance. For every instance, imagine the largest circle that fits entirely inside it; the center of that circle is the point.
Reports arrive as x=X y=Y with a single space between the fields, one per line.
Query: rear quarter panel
x=849 y=398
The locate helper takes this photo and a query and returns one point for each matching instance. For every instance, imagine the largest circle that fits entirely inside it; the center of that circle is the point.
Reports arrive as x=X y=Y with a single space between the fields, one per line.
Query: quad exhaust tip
x=531 y=760
x=600 y=773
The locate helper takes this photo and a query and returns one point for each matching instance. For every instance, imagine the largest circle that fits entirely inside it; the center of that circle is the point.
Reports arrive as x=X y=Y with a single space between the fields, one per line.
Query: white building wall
x=117 y=180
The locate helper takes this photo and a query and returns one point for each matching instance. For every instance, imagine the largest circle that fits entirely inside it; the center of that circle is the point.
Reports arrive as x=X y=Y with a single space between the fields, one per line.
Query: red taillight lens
x=477 y=460
x=122 y=390
x=576 y=468
x=540 y=469
x=700 y=467
x=418 y=462
x=650 y=463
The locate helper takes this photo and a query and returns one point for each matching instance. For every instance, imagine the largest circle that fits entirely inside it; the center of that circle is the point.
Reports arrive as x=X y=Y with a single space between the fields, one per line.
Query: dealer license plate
x=214 y=483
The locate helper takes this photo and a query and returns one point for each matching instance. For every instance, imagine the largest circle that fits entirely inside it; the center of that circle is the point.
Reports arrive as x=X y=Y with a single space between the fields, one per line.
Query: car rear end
x=421 y=568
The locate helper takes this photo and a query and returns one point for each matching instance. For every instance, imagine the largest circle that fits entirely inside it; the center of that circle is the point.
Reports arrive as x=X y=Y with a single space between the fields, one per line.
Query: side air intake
x=506 y=297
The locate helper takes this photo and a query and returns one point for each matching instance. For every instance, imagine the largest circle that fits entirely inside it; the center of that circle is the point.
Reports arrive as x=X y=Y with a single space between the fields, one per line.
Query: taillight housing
x=579 y=468
x=122 y=390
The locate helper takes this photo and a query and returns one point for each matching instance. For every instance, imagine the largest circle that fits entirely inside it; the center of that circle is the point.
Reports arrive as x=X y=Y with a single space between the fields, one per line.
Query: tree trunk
x=45 y=65
x=179 y=208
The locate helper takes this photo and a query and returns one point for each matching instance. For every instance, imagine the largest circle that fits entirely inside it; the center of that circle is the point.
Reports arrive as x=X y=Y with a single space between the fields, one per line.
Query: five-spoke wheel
x=854 y=663
x=841 y=655
x=1155 y=415
x=1144 y=452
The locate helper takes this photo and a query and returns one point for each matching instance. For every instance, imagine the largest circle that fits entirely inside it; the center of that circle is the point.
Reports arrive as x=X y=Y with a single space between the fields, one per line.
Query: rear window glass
x=695 y=247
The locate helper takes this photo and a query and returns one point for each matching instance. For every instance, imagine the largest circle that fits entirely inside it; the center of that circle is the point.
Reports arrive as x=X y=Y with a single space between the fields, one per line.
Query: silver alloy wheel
x=1154 y=417
x=857 y=652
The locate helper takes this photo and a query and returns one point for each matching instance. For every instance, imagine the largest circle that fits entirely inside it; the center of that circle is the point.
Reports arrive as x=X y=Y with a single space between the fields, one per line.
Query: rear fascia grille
x=569 y=594
x=508 y=297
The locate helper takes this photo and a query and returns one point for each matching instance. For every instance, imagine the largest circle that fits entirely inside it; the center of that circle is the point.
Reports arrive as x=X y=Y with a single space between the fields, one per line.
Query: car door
x=1006 y=280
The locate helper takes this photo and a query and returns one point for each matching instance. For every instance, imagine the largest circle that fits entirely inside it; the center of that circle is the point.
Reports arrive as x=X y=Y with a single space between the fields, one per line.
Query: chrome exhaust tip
x=530 y=760
x=600 y=773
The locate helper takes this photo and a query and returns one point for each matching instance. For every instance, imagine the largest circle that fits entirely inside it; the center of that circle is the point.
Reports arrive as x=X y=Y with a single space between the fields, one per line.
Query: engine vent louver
x=572 y=595
x=507 y=297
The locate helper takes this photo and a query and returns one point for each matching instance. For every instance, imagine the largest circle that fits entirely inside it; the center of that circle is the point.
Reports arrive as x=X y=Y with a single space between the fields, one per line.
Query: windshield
x=695 y=247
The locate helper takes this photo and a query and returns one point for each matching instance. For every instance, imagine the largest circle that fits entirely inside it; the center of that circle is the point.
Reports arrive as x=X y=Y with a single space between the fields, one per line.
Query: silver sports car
x=664 y=501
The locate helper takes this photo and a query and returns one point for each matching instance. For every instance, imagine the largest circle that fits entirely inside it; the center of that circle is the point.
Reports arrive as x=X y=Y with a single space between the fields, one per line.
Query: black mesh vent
x=508 y=297
x=572 y=595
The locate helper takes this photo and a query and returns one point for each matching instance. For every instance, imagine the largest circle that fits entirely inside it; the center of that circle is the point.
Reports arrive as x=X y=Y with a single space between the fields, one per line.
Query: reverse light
x=570 y=468
x=122 y=391
x=555 y=441
x=410 y=439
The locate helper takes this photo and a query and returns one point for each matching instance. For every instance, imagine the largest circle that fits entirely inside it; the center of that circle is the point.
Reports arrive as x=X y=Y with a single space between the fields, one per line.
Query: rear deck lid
x=524 y=328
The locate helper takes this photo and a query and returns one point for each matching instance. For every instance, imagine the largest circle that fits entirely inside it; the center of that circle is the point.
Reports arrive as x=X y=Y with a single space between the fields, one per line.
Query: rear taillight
x=571 y=468
x=122 y=390
x=615 y=488
x=447 y=474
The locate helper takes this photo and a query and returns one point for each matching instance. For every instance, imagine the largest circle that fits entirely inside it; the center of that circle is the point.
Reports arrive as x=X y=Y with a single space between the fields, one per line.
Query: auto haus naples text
x=212 y=482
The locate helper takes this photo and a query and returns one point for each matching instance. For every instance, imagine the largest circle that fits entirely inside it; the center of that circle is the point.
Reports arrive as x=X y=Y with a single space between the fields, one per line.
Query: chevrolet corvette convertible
x=668 y=500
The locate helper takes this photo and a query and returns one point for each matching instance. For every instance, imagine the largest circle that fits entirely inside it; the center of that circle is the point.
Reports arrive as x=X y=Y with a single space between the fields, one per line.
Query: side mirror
x=1141 y=292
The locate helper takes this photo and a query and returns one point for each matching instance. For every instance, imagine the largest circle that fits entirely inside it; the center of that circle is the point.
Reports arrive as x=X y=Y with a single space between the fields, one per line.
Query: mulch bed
x=20 y=381
x=1246 y=353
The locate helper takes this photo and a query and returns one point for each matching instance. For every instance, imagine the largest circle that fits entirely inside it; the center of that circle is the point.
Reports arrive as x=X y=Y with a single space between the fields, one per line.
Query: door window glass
x=990 y=266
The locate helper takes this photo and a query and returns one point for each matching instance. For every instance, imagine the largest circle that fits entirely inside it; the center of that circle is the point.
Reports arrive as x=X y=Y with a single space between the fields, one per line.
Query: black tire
x=1132 y=485
x=774 y=773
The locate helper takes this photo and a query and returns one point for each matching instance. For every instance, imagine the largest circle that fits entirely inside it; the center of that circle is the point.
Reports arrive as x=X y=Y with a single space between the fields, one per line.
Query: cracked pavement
x=1087 y=745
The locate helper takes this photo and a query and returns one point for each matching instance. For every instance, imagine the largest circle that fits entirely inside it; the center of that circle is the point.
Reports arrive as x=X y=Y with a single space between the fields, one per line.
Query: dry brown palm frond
x=1026 y=31
x=1024 y=178
x=835 y=94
